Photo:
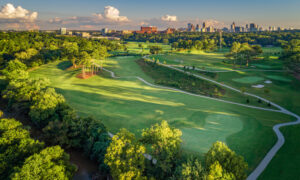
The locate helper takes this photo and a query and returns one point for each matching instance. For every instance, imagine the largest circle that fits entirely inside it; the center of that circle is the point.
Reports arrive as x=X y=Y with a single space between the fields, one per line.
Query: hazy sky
x=88 y=14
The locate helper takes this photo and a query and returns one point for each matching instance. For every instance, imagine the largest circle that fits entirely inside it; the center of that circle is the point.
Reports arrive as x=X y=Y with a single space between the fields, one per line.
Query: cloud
x=169 y=18
x=111 y=14
x=8 y=11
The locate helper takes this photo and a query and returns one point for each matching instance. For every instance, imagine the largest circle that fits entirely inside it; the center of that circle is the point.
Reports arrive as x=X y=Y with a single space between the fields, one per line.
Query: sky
x=131 y=14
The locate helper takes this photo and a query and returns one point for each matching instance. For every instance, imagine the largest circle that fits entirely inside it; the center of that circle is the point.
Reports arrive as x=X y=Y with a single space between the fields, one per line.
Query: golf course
x=134 y=101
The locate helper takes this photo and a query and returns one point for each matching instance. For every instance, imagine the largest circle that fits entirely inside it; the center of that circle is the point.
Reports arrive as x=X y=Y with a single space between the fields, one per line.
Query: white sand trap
x=268 y=82
x=258 y=86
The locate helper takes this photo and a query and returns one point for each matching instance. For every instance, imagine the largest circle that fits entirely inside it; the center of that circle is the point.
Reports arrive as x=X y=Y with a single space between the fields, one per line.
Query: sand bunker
x=258 y=86
x=268 y=82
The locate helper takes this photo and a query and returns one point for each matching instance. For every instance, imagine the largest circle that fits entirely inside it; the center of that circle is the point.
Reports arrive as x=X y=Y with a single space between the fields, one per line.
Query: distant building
x=253 y=27
x=169 y=31
x=238 y=29
x=204 y=25
x=232 y=29
x=198 y=29
x=85 y=34
x=225 y=29
x=191 y=27
x=104 y=30
x=70 y=33
x=63 y=31
x=210 y=29
x=126 y=32
x=147 y=30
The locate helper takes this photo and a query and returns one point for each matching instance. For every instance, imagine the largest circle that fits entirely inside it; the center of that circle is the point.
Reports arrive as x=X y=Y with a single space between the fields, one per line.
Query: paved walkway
x=221 y=71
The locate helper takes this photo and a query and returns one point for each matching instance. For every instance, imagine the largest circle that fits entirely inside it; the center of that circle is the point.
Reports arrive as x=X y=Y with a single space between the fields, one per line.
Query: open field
x=213 y=61
x=129 y=103
x=133 y=48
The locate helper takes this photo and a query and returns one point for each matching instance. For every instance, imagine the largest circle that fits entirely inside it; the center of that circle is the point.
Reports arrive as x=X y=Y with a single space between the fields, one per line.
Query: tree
x=24 y=90
x=15 y=146
x=84 y=60
x=228 y=159
x=50 y=163
x=155 y=49
x=125 y=156
x=235 y=49
x=216 y=171
x=71 y=50
x=191 y=169
x=165 y=147
x=175 y=45
x=165 y=41
x=15 y=70
x=44 y=107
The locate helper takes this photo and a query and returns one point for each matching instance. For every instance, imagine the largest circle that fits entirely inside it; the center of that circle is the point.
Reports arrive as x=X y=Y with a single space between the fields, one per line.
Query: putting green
x=279 y=78
x=249 y=79
x=201 y=137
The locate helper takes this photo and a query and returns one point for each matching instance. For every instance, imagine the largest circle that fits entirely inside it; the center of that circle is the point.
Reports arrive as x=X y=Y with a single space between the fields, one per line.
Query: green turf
x=248 y=79
x=279 y=78
x=133 y=48
x=285 y=163
x=128 y=103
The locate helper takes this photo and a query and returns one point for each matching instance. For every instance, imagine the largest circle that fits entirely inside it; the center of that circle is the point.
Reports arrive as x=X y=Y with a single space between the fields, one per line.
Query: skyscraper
x=190 y=26
x=253 y=27
x=232 y=27
x=198 y=29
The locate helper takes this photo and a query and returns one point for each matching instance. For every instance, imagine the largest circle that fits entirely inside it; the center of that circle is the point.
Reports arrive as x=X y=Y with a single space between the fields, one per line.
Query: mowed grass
x=214 y=61
x=285 y=164
x=133 y=48
x=128 y=103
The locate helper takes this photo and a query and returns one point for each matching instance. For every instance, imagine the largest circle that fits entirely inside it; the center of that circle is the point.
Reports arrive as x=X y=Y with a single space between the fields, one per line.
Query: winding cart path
x=280 y=138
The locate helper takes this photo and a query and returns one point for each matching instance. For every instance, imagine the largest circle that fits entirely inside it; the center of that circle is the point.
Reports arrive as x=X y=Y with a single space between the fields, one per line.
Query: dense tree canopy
x=291 y=55
x=15 y=146
x=262 y=38
x=222 y=158
x=125 y=156
x=165 y=147
x=50 y=163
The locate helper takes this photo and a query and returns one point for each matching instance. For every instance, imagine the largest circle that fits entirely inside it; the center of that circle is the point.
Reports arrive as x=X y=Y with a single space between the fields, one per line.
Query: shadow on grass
x=64 y=65
x=114 y=113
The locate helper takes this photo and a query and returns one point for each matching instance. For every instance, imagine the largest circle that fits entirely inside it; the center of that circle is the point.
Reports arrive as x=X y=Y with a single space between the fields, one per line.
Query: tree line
x=34 y=49
x=291 y=55
x=262 y=38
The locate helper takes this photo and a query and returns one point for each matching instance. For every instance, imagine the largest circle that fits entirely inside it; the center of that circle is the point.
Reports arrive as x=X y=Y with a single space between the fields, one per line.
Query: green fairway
x=133 y=48
x=248 y=79
x=214 y=61
x=129 y=103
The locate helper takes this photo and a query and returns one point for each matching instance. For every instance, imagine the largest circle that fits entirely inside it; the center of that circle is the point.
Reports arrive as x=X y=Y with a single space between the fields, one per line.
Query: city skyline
x=88 y=15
